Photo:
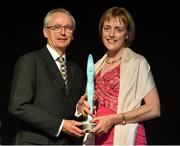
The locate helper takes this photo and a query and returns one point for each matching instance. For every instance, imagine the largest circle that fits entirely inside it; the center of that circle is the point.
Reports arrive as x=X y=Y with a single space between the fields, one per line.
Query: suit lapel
x=70 y=76
x=53 y=69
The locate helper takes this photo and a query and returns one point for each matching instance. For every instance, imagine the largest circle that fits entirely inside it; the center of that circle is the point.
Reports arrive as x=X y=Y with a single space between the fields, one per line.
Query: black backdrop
x=157 y=38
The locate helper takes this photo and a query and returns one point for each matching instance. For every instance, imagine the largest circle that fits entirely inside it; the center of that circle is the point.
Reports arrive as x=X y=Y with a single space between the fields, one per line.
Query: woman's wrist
x=123 y=119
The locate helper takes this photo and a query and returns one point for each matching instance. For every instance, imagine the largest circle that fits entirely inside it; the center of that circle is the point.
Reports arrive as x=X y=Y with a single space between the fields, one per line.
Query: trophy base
x=88 y=126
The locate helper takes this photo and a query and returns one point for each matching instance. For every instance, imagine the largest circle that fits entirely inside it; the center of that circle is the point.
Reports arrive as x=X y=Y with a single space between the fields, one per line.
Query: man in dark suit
x=39 y=97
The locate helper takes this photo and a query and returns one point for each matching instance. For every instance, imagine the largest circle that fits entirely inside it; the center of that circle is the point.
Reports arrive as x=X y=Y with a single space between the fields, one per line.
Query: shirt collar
x=53 y=52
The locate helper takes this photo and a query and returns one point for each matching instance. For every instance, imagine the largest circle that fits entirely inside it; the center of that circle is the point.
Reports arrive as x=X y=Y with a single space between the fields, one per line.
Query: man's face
x=59 y=31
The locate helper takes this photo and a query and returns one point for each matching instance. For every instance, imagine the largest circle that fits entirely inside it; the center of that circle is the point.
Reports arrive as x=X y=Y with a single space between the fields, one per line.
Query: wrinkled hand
x=71 y=127
x=103 y=124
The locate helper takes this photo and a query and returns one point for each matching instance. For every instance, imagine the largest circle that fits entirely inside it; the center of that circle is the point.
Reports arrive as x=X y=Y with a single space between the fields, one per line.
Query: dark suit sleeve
x=22 y=95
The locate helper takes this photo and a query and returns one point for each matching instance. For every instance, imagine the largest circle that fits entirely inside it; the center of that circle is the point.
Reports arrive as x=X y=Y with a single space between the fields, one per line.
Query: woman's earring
x=126 y=37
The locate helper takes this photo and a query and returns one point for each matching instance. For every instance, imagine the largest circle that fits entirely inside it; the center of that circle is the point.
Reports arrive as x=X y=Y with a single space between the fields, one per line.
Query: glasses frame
x=58 y=28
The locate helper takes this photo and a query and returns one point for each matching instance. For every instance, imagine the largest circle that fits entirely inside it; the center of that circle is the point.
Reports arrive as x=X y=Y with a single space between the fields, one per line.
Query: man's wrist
x=79 y=108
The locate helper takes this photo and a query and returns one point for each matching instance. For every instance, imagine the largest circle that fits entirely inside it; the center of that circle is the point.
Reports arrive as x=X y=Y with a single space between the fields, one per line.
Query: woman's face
x=114 y=34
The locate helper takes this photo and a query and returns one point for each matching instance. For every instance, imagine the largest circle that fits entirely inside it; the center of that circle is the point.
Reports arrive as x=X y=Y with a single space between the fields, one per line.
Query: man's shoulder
x=31 y=54
x=74 y=65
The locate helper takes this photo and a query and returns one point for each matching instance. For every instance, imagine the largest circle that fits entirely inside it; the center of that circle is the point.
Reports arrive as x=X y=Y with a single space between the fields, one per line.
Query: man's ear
x=45 y=32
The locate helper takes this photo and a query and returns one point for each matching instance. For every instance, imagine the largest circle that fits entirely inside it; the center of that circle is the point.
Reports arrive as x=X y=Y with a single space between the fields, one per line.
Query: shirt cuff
x=76 y=113
x=60 y=128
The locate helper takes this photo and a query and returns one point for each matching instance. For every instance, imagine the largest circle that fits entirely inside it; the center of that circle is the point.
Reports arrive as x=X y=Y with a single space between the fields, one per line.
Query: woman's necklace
x=113 y=61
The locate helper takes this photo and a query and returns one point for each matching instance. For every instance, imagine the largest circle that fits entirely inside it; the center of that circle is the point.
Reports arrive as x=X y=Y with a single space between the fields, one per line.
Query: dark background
x=157 y=38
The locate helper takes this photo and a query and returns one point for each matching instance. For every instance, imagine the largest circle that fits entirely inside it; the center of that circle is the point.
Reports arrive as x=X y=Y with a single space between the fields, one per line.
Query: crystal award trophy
x=90 y=92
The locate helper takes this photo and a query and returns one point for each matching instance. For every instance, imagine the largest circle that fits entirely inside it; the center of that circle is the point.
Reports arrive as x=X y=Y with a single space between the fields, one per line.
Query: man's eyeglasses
x=58 y=28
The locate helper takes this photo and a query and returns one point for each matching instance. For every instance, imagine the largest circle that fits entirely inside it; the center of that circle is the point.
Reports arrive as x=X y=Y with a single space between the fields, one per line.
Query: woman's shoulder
x=134 y=55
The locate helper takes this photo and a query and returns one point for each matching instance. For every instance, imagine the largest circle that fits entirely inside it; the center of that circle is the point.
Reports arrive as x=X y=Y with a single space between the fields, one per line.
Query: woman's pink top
x=107 y=91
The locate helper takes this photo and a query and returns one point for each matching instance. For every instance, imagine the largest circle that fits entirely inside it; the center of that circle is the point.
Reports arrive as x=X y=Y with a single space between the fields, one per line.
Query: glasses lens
x=58 y=28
